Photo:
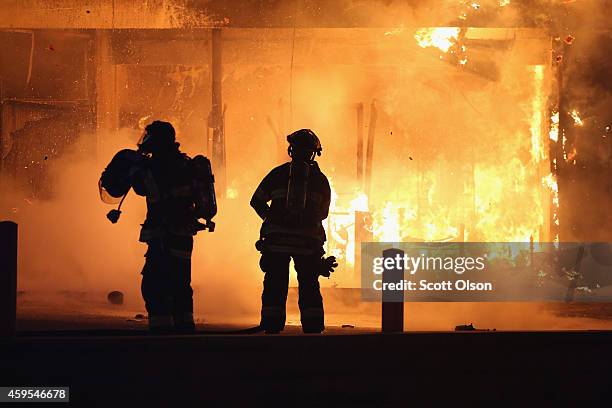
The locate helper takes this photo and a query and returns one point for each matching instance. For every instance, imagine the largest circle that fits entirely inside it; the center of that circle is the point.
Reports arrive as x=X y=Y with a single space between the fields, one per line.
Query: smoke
x=66 y=244
x=65 y=241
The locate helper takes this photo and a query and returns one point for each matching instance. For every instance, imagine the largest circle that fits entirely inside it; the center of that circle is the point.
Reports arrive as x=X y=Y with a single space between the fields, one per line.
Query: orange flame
x=441 y=38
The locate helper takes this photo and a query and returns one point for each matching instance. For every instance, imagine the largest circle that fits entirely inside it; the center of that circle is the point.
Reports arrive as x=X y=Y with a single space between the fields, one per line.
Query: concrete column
x=7 y=126
x=8 y=278
x=217 y=114
x=107 y=110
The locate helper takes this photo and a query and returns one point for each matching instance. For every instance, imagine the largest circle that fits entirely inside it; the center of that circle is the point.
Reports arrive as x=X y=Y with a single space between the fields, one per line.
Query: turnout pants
x=276 y=285
x=166 y=288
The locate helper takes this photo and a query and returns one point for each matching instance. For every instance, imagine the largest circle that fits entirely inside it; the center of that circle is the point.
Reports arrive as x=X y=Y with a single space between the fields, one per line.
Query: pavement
x=358 y=370
x=108 y=359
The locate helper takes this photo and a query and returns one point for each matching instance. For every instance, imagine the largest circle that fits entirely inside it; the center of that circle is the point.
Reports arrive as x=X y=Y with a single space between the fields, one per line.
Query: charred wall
x=46 y=103
x=585 y=150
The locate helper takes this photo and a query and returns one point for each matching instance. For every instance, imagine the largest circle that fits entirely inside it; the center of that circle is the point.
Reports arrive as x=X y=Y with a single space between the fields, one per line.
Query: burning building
x=467 y=121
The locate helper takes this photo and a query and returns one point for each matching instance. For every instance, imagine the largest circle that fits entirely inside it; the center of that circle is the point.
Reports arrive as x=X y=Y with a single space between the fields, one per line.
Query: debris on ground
x=470 y=327
x=115 y=297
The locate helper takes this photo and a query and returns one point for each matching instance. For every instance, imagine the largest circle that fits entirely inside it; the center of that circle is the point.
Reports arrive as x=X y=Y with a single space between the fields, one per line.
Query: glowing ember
x=442 y=37
x=571 y=156
x=550 y=181
x=553 y=134
x=576 y=116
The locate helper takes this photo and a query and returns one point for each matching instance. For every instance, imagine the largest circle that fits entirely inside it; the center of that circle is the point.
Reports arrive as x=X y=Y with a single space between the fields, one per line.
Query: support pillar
x=360 y=145
x=370 y=148
x=217 y=122
x=8 y=278
x=107 y=109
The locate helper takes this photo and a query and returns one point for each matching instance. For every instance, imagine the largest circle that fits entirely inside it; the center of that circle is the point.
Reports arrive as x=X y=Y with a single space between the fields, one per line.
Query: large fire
x=504 y=198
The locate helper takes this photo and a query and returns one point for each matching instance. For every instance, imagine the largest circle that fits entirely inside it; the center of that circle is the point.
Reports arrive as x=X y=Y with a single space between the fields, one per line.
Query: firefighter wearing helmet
x=179 y=191
x=299 y=195
x=168 y=230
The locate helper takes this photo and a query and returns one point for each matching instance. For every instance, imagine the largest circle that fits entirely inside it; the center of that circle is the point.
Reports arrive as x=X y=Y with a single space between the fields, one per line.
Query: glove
x=327 y=266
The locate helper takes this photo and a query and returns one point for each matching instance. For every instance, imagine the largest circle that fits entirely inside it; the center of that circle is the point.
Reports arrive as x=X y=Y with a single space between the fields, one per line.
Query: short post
x=8 y=278
x=393 y=300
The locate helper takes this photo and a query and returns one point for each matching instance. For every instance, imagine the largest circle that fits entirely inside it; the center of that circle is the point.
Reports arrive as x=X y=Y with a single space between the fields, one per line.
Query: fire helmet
x=157 y=136
x=305 y=140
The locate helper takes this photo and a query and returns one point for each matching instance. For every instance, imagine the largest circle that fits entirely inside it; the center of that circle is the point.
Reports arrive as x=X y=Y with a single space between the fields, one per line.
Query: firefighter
x=168 y=230
x=299 y=196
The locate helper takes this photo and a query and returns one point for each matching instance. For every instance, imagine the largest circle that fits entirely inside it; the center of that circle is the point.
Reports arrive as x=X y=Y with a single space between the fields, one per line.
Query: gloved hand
x=327 y=266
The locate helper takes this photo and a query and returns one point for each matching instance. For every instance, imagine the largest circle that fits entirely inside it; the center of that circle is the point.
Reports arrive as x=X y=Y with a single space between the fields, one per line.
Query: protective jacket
x=280 y=228
x=167 y=182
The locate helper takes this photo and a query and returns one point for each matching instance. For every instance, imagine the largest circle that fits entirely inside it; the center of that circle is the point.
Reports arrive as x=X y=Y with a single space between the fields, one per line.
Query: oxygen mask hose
x=113 y=215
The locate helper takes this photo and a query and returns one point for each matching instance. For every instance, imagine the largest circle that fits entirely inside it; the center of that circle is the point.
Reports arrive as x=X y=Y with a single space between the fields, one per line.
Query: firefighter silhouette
x=179 y=191
x=299 y=196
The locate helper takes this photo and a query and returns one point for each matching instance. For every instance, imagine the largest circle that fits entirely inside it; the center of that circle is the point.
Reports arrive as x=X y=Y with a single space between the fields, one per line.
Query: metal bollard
x=392 y=301
x=8 y=278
